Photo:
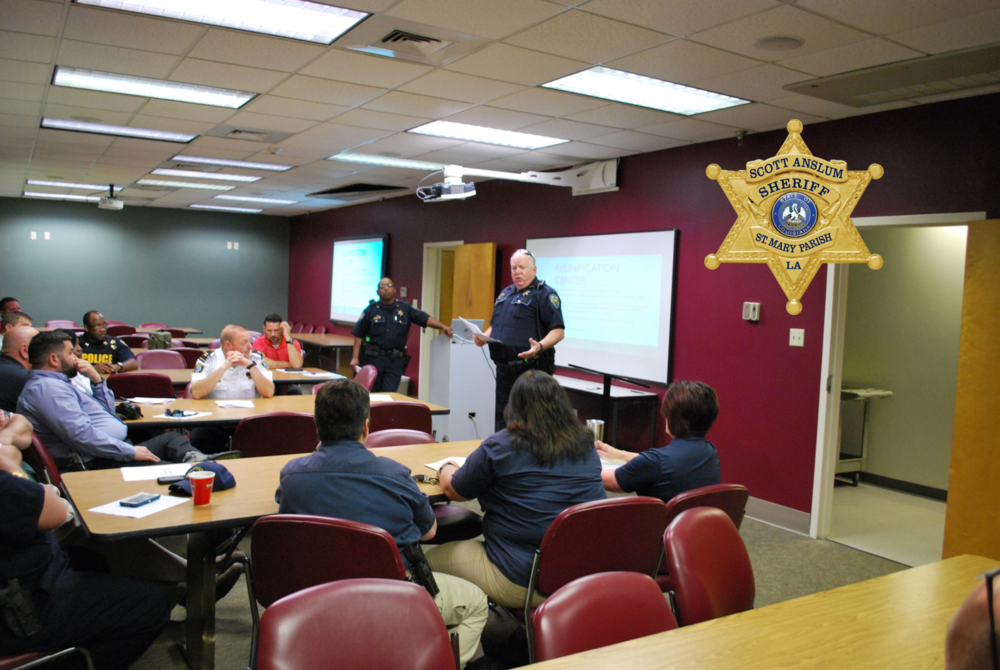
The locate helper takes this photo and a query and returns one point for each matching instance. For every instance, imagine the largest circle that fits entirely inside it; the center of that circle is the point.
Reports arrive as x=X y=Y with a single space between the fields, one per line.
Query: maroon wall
x=936 y=159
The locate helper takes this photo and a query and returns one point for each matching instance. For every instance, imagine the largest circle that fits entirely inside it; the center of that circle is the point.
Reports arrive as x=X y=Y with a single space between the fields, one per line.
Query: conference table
x=895 y=621
x=311 y=342
x=181 y=378
x=250 y=499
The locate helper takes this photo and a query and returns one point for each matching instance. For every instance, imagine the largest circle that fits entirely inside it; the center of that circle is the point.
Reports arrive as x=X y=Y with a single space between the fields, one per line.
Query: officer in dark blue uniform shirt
x=528 y=322
x=381 y=332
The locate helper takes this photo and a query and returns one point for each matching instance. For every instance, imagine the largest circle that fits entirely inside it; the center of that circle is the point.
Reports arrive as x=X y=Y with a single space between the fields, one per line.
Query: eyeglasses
x=382 y=286
x=993 y=626
x=524 y=252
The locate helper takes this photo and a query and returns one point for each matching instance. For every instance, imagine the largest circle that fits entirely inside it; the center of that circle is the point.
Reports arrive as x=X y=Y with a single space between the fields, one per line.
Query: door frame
x=429 y=292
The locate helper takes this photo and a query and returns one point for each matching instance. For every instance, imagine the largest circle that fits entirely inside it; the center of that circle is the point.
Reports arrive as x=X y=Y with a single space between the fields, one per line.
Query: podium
x=463 y=378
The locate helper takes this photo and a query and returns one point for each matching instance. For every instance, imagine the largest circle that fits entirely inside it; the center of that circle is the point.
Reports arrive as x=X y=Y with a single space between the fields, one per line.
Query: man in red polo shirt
x=277 y=345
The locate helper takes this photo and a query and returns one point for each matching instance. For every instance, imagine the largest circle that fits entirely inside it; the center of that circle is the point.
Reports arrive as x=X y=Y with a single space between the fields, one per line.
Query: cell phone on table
x=139 y=499
x=294 y=369
x=169 y=479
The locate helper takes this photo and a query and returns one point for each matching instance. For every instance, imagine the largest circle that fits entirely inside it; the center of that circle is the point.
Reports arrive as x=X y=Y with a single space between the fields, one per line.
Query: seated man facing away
x=280 y=350
x=107 y=354
x=68 y=421
x=688 y=462
x=343 y=479
x=14 y=365
x=115 y=617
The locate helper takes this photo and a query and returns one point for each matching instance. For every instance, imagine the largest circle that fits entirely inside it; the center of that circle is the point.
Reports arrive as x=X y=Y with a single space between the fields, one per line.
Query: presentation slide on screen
x=616 y=293
x=357 y=268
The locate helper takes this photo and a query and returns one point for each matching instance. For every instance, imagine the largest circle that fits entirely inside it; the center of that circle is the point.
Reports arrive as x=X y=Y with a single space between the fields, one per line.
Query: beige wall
x=972 y=525
x=902 y=334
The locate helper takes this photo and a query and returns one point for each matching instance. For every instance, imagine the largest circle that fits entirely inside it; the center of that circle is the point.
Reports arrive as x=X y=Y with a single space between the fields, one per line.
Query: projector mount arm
x=596 y=177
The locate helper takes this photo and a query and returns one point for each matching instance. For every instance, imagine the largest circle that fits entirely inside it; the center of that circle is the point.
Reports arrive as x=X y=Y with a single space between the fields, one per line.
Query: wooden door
x=475 y=281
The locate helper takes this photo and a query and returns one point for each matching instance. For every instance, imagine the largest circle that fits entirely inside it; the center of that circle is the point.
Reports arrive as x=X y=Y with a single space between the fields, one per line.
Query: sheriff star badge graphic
x=794 y=214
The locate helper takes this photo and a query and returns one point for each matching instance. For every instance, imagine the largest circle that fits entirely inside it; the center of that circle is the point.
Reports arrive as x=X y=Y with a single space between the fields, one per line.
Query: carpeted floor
x=786 y=566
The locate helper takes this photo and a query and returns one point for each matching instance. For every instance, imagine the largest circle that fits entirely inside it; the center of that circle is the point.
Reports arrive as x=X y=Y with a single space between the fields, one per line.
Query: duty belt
x=391 y=354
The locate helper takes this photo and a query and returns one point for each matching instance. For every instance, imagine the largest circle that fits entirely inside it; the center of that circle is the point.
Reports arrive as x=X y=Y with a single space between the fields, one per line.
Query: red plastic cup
x=201 y=486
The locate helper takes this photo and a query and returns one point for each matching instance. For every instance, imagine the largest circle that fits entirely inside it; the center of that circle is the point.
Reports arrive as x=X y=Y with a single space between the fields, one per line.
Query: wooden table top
x=278 y=403
x=250 y=499
x=183 y=377
x=325 y=339
x=895 y=621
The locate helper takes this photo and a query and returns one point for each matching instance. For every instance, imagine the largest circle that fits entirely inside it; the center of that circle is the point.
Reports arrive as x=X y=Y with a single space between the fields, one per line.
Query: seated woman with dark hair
x=523 y=477
x=688 y=462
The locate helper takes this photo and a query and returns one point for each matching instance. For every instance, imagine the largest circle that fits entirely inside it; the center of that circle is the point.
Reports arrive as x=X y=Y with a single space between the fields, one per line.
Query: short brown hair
x=689 y=407
x=342 y=406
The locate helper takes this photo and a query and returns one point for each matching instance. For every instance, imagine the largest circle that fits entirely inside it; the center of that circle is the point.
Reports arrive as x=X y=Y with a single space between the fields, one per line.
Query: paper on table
x=436 y=465
x=186 y=417
x=322 y=375
x=138 y=474
x=248 y=404
x=164 y=502
x=380 y=397
x=475 y=331
x=152 y=401
x=611 y=463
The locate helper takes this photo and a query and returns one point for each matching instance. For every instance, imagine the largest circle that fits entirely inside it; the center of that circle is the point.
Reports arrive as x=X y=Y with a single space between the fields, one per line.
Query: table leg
x=201 y=601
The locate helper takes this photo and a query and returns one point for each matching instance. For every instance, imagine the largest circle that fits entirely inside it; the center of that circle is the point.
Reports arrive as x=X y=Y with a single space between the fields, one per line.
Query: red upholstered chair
x=709 y=565
x=398 y=437
x=630 y=532
x=39 y=458
x=402 y=414
x=730 y=498
x=297 y=327
x=39 y=659
x=141 y=385
x=118 y=331
x=319 y=330
x=61 y=323
x=191 y=355
x=175 y=332
x=597 y=611
x=307 y=329
x=136 y=341
x=113 y=323
x=152 y=325
x=275 y=433
x=292 y=552
x=215 y=344
x=160 y=359
x=366 y=376
x=179 y=343
x=254 y=334
x=359 y=624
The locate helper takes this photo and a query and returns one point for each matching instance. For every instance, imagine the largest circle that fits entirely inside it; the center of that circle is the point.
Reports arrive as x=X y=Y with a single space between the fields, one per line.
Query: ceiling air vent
x=248 y=134
x=408 y=40
x=357 y=191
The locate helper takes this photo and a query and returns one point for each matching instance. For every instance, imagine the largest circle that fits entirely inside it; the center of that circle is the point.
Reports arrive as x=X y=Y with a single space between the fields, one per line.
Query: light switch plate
x=402 y=291
x=796 y=337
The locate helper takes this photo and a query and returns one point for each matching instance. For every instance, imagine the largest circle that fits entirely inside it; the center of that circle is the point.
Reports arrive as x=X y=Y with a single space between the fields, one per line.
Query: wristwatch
x=252 y=365
x=289 y=341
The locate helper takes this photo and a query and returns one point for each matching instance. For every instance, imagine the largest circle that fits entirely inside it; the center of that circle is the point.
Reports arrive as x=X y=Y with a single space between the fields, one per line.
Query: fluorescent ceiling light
x=205 y=175
x=507 y=138
x=69 y=184
x=184 y=184
x=58 y=196
x=227 y=209
x=299 y=20
x=267 y=201
x=110 y=82
x=634 y=89
x=202 y=160
x=385 y=161
x=121 y=131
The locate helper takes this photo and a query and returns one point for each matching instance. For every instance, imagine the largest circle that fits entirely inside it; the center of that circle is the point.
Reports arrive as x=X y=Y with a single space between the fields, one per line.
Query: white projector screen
x=617 y=294
x=358 y=265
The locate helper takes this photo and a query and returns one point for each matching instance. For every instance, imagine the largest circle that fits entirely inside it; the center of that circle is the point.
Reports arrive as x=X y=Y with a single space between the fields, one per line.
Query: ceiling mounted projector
x=111 y=202
x=597 y=177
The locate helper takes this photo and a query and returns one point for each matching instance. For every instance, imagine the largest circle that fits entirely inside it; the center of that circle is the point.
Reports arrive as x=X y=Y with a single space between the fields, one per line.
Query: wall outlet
x=796 y=337
x=402 y=291
x=751 y=311
x=236 y=246
x=229 y=245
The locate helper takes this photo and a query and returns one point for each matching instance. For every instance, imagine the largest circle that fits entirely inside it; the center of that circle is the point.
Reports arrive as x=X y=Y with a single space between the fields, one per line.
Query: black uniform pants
x=390 y=372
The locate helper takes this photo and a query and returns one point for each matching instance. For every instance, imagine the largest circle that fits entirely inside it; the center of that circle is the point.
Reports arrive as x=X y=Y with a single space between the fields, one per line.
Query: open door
x=475 y=281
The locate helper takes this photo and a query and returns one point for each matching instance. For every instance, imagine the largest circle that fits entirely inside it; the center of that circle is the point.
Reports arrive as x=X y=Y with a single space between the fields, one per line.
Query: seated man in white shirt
x=233 y=370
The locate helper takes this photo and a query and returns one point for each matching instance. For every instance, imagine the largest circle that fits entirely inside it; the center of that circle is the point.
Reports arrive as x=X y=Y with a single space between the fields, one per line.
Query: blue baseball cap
x=224 y=479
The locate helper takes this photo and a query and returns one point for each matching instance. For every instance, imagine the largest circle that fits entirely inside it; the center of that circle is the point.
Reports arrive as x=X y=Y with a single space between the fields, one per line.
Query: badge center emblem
x=793 y=214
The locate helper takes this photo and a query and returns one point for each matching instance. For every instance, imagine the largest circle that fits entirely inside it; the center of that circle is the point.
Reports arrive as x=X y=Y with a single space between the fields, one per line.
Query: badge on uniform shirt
x=554 y=299
x=377 y=318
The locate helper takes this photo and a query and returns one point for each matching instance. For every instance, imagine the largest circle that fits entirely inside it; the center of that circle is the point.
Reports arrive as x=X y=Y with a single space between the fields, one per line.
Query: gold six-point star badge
x=793 y=213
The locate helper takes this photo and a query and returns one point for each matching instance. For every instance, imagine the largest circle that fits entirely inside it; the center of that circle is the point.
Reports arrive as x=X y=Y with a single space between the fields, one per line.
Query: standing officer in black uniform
x=381 y=332
x=527 y=320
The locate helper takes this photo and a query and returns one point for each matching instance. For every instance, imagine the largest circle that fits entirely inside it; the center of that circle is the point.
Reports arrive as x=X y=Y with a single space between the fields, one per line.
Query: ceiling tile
x=757 y=117
x=513 y=64
x=588 y=151
x=297 y=109
x=207 y=73
x=129 y=30
x=483 y=18
x=281 y=124
x=115 y=59
x=468 y=153
x=19 y=46
x=185 y=110
x=456 y=86
x=550 y=103
x=692 y=130
x=683 y=62
x=16 y=144
x=969 y=31
x=618 y=115
x=23 y=71
x=244 y=147
x=31 y=16
x=242 y=48
x=134 y=146
x=172 y=125
x=409 y=145
x=759 y=84
x=23 y=107
x=17 y=91
x=329 y=138
x=586 y=37
x=630 y=139
x=892 y=16
x=830 y=110
x=492 y=117
x=363 y=69
x=397 y=102
x=568 y=130
x=75 y=97
x=15 y=131
x=522 y=162
x=369 y=118
x=55 y=111
x=677 y=17
x=869 y=53
x=326 y=91
x=70 y=137
x=818 y=33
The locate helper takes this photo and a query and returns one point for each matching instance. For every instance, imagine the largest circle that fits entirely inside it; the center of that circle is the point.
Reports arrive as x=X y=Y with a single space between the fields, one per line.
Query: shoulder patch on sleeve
x=554 y=299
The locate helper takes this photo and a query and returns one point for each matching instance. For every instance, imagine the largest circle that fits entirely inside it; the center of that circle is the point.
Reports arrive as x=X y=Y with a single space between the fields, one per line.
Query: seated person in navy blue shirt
x=342 y=479
x=107 y=354
x=523 y=476
x=688 y=462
